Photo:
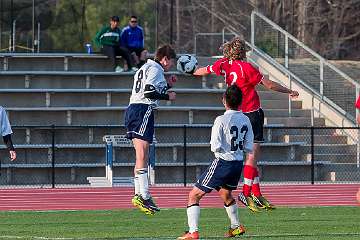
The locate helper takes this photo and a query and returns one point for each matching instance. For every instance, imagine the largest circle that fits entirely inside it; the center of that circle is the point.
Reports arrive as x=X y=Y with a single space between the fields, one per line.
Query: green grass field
x=283 y=223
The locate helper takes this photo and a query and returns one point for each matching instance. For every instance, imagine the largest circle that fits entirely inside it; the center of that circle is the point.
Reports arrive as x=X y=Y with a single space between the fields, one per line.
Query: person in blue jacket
x=132 y=37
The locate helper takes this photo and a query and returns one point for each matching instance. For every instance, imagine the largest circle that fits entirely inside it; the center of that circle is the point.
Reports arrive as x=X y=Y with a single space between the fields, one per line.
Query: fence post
x=109 y=162
x=252 y=18
x=312 y=156
x=53 y=156
x=184 y=157
x=38 y=38
x=286 y=52
x=13 y=36
x=151 y=163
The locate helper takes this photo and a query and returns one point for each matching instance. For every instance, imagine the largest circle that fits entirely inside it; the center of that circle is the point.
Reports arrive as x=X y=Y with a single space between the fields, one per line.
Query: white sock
x=136 y=184
x=143 y=183
x=232 y=212
x=193 y=214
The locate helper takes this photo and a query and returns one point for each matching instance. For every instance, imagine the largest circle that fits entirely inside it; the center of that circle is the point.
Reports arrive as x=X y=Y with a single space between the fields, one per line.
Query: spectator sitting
x=108 y=38
x=132 y=37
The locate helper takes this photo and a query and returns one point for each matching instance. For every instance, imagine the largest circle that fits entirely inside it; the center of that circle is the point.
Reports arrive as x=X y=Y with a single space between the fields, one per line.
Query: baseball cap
x=115 y=18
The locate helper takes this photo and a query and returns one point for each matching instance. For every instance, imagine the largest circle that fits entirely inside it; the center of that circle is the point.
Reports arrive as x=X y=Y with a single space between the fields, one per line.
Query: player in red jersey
x=357 y=105
x=237 y=71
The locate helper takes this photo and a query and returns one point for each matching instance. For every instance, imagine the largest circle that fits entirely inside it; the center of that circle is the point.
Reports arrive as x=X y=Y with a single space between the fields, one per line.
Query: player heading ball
x=149 y=87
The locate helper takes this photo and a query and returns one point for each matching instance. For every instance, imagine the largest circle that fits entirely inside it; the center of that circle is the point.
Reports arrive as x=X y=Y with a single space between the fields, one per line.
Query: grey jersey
x=151 y=73
x=5 y=124
x=231 y=136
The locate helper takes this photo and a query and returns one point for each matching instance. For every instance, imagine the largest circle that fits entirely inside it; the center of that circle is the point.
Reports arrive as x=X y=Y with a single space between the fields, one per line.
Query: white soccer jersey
x=5 y=124
x=231 y=136
x=151 y=73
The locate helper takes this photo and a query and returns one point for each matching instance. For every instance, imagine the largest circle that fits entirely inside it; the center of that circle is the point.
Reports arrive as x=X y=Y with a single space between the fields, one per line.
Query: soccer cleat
x=257 y=201
x=234 y=232
x=151 y=204
x=248 y=202
x=139 y=202
x=262 y=202
x=189 y=236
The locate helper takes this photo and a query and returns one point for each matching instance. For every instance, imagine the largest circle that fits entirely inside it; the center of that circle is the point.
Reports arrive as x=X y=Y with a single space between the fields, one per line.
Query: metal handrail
x=288 y=35
x=314 y=54
x=309 y=88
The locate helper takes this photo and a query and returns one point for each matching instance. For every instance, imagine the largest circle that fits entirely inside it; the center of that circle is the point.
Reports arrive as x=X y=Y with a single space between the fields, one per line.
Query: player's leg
x=142 y=198
x=249 y=173
x=231 y=208
x=230 y=179
x=111 y=53
x=124 y=52
x=257 y=121
x=143 y=55
x=139 y=122
x=135 y=58
x=250 y=166
x=256 y=195
x=141 y=153
x=210 y=179
x=193 y=214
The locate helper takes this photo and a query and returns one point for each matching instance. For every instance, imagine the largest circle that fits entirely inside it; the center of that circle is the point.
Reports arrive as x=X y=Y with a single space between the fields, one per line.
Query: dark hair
x=133 y=16
x=115 y=18
x=233 y=97
x=165 y=51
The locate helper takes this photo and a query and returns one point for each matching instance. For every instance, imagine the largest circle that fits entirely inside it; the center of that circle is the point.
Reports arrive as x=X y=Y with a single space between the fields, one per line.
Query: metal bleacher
x=80 y=93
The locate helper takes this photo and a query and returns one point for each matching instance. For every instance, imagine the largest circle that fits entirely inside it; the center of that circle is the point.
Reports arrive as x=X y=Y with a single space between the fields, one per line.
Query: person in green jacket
x=108 y=38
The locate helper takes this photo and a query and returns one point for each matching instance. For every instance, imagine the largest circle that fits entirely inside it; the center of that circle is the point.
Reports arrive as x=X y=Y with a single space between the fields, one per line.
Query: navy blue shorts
x=220 y=174
x=139 y=122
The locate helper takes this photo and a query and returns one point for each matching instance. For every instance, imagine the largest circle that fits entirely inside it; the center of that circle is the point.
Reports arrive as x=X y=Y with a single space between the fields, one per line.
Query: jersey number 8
x=138 y=82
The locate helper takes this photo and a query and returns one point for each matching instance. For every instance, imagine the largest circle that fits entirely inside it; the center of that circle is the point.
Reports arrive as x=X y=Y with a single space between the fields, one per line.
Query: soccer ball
x=187 y=64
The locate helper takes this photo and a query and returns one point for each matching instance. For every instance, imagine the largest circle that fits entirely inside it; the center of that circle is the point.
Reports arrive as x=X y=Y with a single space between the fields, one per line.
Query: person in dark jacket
x=132 y=37
x=108 y=38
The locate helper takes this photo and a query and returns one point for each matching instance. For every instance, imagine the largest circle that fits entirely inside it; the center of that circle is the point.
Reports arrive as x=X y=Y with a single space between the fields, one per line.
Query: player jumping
x=150 y=86
x=231 y=136
x=237 y=71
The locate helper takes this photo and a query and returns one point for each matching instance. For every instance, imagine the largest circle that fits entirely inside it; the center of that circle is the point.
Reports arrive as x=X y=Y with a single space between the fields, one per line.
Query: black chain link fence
x=64 y=156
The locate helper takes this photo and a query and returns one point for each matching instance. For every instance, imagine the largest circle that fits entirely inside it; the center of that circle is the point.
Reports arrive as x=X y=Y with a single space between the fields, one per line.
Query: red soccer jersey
x=244 y=75
x=357 y=105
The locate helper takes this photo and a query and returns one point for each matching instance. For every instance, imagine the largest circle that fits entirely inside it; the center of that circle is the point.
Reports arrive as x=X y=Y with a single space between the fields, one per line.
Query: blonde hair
x=235 y=49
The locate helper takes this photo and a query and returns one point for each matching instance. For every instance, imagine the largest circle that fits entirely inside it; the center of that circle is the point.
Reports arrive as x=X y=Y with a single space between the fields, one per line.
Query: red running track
x=169 y=197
